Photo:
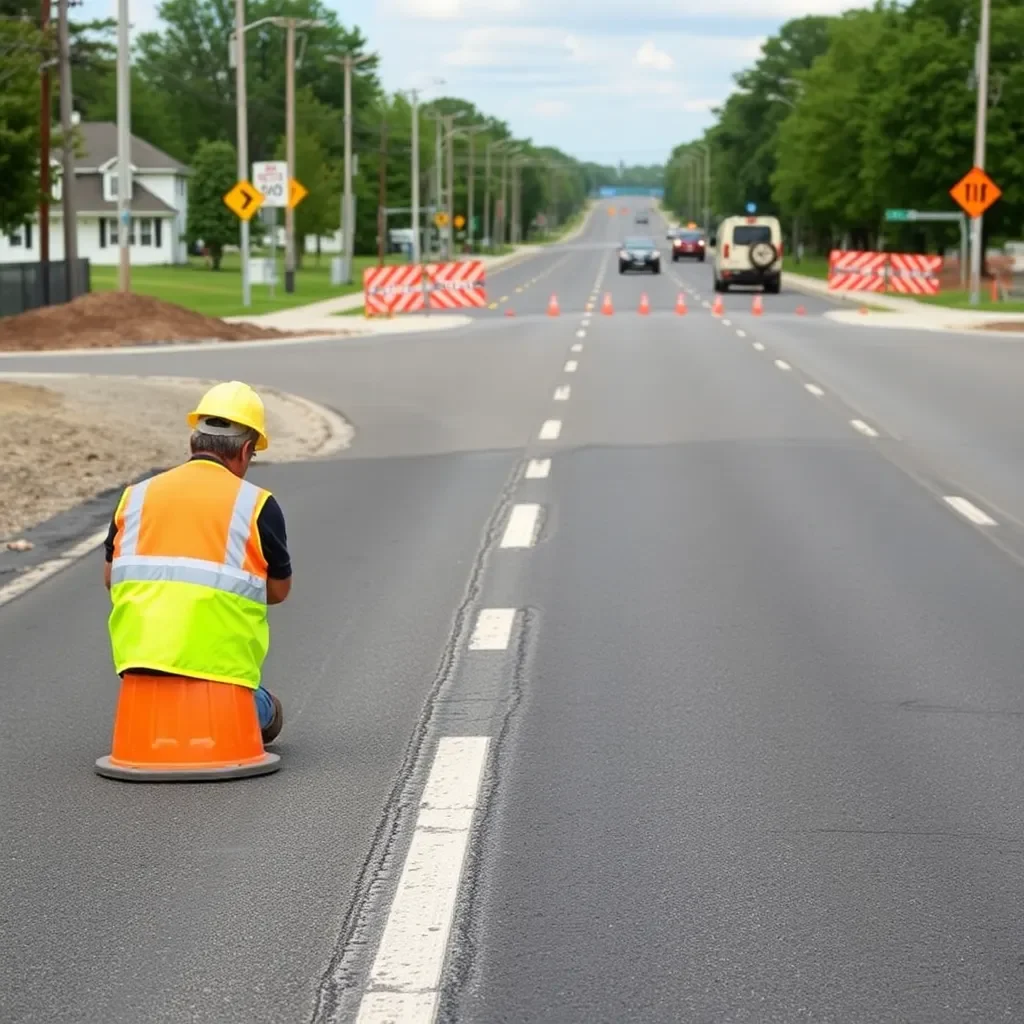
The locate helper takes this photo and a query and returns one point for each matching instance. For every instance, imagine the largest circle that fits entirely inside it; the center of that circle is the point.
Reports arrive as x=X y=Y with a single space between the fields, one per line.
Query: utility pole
x=124 y=152
x=382 y=196
x=45 y=117
x=977 y=241
x=67 y=153
x=504 y=199
x=469 y=194
x=242 y=141
x=289 y=99
x=415 y=176
x=450 y=207
x=707 y=189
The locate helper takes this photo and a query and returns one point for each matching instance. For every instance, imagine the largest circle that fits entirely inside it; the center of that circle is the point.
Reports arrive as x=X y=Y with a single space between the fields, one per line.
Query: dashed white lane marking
x=521 y=528
x=44 y=570
x=814 y=390
x=538 y=469
x=969 y=511
x=740 y=334
x=562 y=393
x=782 y=364
x=570 y=367
x=404 y=983
x=863 y=428
x=493 y=629
x=550 y=430
x=581 y=333
x=758 y=347
x=727 y=323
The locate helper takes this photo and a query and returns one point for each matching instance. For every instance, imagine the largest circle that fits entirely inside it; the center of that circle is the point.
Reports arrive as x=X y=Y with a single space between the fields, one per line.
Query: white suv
x=748 y=250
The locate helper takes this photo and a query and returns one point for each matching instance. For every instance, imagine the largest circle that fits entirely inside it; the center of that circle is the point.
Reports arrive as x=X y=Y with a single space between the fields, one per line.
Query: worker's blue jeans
x=264 y=707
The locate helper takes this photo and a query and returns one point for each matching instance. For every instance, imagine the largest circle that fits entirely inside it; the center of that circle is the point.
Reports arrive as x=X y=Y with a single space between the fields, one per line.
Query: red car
x=688 y=245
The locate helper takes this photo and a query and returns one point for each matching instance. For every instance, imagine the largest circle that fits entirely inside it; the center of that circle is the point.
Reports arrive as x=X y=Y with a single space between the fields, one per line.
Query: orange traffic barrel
x=174 y=729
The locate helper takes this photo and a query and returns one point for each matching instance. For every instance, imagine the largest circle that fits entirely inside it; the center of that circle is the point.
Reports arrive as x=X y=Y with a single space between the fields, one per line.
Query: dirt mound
x=1001 y=325
x=114 y=319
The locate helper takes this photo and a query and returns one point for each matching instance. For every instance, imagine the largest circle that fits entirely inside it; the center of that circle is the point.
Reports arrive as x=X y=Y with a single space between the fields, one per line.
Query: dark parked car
x=639 y=254
x=688 y=245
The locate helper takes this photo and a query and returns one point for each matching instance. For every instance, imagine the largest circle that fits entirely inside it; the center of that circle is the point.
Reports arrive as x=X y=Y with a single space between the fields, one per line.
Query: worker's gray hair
x=225 y=446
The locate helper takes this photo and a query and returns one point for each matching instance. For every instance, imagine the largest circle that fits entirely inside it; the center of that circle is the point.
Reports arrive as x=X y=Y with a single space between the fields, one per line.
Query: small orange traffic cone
x=718 y=307
x=758 y=307
x=863 y=310
x=645 y=305
x=553 y=309
x=510 y=311
x=173 y=729
x=801 y=311
x=681 y=305
x=606 y=307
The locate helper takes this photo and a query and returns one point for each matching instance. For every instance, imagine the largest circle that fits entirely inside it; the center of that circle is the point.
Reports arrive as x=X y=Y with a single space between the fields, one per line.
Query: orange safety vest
x=188 y=577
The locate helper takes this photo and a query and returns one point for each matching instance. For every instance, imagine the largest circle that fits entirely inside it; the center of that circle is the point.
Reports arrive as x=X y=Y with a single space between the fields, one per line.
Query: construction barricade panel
x=856 y=271
x=910 y=274
x=411 y=288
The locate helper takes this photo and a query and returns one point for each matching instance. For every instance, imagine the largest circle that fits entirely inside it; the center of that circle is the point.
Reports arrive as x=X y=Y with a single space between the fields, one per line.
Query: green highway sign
x=891 y=215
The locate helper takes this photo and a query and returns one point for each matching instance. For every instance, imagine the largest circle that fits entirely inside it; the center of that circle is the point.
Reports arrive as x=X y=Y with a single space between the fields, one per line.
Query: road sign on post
x=900 y=215
x=296 y=193
x=975 y=192
x=243 y=200
x=270 y=177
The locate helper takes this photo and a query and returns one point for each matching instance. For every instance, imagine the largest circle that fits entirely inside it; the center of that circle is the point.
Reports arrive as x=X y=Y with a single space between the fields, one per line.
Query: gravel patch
x=64 y=438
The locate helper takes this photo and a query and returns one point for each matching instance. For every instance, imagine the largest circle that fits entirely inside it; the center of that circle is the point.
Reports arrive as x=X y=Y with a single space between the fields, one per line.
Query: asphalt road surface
x=638 y=668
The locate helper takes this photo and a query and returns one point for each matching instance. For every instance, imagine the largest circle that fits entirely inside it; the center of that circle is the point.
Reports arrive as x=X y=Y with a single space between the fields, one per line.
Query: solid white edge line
x=562 y=394
x=969 y=510
x=571 y=366
x=538 y=469
x=863 y=428
x=493 y=629
x=35 y=575
x=782 y=364
x=815 y=390
x=521 y=528
x=404 y=982
x=550 y=430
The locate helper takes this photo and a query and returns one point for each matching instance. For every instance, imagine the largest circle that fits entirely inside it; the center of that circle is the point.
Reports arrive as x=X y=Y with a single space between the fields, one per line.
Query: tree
x=209 y=219
x=21 y=51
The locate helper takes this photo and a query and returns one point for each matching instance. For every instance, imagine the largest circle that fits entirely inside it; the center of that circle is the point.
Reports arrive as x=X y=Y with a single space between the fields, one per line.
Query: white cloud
x=551 y=108
x=450 y=10
x=649 y=56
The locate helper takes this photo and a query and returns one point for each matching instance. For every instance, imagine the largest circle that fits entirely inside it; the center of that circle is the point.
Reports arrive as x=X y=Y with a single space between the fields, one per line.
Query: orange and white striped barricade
x=396 y=289
x=457 y=285
x=857 y=271
x=911 y=274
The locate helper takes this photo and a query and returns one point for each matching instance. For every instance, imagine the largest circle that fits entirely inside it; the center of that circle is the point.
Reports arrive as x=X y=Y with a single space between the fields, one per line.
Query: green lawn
x=958 y=299
x=809 y=266
x=219 y=292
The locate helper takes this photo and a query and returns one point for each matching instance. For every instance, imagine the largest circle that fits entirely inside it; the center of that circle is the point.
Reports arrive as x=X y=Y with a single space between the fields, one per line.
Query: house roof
x=99 y=145
x=89 y=197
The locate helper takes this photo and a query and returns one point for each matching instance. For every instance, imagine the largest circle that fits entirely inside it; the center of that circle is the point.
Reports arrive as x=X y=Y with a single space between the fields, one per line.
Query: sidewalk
x=323 y=316
x=906 y=313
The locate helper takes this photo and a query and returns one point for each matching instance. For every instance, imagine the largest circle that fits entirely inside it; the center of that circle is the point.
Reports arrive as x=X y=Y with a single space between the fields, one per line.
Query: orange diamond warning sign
x=975 y=192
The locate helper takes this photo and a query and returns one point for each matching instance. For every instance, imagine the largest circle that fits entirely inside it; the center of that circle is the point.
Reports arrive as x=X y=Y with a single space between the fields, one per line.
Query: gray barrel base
x=109 y=770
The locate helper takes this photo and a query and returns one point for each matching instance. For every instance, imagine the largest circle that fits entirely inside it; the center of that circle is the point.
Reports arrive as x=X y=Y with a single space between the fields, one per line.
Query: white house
x=159 y=205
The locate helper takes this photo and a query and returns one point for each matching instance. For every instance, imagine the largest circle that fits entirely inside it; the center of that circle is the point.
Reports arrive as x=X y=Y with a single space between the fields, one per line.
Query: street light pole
x=487 y=193
x=289 y=101
x=242 y=138
x=415 y=176
x=977 y=255
x=124 y=158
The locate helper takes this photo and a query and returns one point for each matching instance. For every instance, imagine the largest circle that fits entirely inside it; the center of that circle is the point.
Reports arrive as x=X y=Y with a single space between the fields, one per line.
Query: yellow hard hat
x=236 y=402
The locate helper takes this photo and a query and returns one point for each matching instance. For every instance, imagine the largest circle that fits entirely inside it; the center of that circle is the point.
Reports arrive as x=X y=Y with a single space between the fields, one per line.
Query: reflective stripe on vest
x=174 y=611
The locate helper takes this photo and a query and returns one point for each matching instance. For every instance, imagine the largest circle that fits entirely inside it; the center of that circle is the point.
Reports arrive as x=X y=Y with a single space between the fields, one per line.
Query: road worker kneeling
x=195 y=555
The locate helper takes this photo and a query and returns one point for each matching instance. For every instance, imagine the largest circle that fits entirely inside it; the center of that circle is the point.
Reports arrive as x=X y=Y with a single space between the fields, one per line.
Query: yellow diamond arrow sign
x=296 y=193
x=244 y=200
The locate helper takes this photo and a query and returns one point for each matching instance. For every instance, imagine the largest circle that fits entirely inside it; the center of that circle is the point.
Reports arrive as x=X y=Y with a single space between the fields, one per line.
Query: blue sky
x=602 y=79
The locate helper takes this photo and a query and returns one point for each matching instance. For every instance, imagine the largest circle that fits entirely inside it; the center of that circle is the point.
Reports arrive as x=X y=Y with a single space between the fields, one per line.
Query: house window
x=14 y=238
x=110 y=187
x=146 y=231
x=159 y=239
x=112 y=229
